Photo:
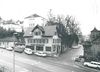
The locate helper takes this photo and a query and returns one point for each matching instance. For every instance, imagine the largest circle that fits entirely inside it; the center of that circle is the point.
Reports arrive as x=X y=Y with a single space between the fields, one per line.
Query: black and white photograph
x=49 y=36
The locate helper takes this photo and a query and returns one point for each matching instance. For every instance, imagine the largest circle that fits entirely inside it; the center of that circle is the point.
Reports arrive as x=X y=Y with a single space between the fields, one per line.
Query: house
x=94 y=49
x=95 y=39
x=12 y=25
x=7 y=42
x=34 y=19
x=43 y=38
x=94 y=34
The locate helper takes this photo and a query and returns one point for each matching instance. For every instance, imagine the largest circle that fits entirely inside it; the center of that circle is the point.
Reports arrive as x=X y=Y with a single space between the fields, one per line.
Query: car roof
x=95 y=62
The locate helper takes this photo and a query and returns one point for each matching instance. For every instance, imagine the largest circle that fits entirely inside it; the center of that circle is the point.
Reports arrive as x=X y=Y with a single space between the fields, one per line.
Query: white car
x=40 y=54
x=28 y=51
x=92 y=64
x=76 y=46
x=9 y=48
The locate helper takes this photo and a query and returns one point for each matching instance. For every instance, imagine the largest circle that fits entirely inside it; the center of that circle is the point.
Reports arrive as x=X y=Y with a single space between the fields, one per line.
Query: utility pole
x=14 y=53
x=13 y=59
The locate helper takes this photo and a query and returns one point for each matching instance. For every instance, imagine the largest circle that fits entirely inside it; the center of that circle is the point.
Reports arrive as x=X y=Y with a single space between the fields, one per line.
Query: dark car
x=19 y=49
x=77 y=59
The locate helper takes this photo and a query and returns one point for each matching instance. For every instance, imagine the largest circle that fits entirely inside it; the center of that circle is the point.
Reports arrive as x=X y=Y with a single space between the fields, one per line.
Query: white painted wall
x=6 y=44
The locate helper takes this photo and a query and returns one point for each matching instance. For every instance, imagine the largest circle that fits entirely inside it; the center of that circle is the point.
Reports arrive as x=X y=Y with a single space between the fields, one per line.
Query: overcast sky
x=86 y=12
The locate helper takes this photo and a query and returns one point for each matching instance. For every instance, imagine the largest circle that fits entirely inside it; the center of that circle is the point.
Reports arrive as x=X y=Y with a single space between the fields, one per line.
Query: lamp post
x=14 y=53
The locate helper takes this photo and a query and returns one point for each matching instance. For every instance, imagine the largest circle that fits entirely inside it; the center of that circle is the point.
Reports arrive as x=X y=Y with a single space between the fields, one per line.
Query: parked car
x=9 y=48
x=18 y=49
x=3 y=47
x=76 y=46
x=28 y=51
x=77 y=59
x=92 y=64
x=41 y=54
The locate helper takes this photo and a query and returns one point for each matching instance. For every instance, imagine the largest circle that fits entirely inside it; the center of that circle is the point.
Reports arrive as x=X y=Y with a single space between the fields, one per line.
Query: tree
x=6 y=33
x=68 y=29
x=73 y=30
x=71 y=26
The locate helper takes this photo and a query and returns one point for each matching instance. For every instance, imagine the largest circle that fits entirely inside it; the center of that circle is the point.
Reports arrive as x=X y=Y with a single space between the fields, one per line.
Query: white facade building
x=43 y=39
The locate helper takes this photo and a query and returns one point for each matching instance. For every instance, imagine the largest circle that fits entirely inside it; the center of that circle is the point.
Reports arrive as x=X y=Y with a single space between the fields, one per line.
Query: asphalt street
x=33 y=63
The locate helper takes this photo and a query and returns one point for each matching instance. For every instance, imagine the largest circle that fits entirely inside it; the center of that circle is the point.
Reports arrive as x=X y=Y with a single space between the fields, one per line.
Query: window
x=37 y=33
x=39 y=48
x=48 y=48
x=55 y=33
x=56 y=40
x=54 y=47
x=29 y=40
x=31 y=47
x=46 y=40
x=37 y=40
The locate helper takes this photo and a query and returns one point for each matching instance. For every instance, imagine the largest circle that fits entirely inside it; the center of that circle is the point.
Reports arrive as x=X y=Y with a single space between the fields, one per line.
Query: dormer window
x=37 y=33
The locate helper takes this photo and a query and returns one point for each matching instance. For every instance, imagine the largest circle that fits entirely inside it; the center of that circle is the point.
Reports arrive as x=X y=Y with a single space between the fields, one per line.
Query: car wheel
x=98 y=68
x=86 y=65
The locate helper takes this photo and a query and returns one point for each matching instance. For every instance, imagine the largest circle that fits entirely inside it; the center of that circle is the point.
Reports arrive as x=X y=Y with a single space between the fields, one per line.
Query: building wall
x=96 y=44
x=6 y=44
x=95 y=49
x=29 y=22
x=47 y=44
x=94 y=35
x=55 y=47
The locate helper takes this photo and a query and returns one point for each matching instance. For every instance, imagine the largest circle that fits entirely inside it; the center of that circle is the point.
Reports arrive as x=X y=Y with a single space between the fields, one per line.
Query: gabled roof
x=48 y=30
x=33 y=16
x=37 y=26
x=94 y=30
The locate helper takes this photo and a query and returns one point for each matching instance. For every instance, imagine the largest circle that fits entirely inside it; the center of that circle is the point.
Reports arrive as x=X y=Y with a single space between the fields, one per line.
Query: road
x=32 y=63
